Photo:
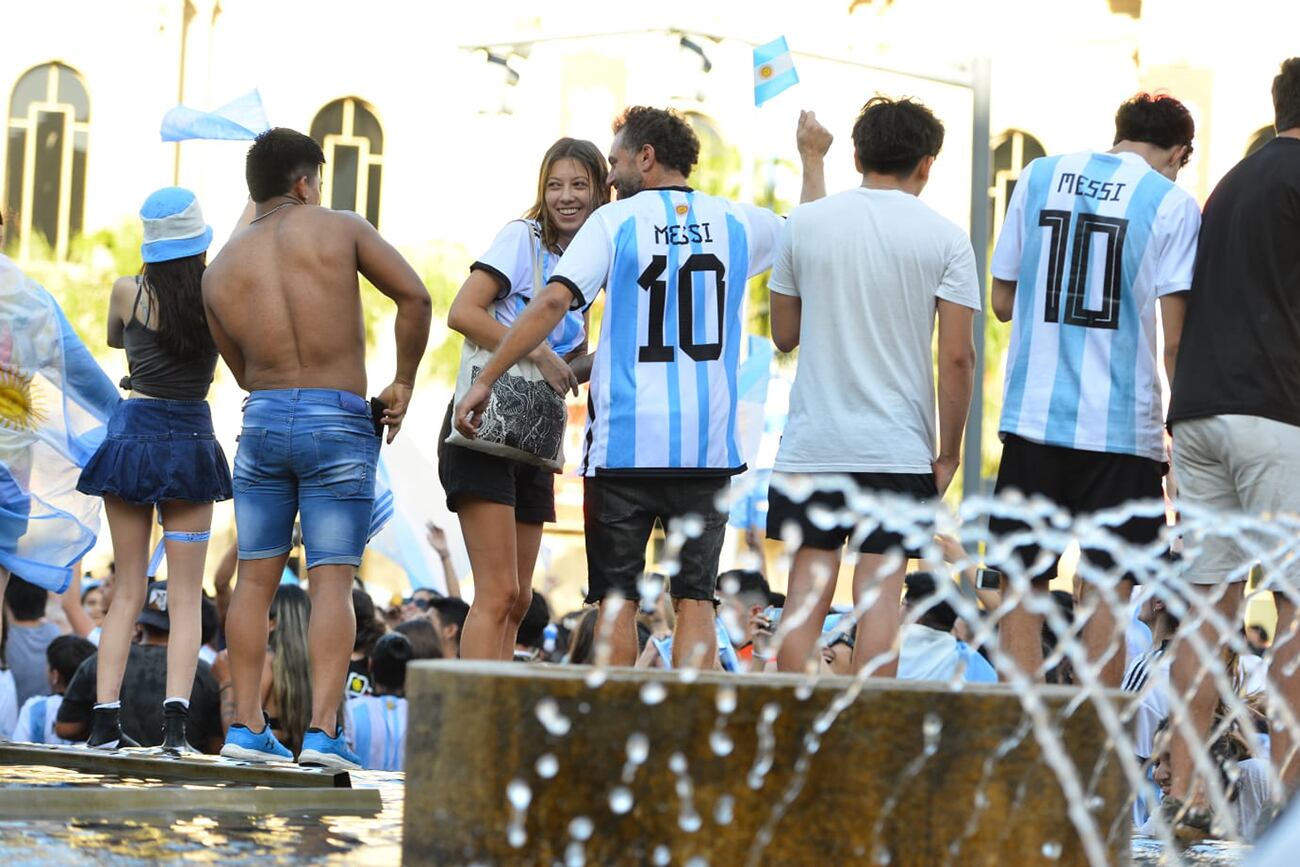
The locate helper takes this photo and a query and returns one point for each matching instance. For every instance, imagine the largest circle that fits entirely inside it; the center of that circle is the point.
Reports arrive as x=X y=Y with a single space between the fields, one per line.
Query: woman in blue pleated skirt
x=160 y=458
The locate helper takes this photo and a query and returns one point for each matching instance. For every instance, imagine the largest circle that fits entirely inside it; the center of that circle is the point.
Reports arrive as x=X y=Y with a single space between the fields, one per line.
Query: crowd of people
x=1105 y=269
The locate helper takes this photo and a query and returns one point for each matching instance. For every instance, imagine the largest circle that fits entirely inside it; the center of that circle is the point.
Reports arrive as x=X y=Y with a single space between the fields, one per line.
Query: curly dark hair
x=1156 y=119
x=892 y=136
x=675 y=143
x=277 y=159
x=1286 y=96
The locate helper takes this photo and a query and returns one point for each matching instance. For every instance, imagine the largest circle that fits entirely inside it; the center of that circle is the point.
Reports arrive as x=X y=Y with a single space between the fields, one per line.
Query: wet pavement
x=220 y=838
x=284 y=839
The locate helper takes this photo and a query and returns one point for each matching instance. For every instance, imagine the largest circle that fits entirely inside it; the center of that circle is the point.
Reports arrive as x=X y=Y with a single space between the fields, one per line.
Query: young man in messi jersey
x=661 y=432
x=1092 y=244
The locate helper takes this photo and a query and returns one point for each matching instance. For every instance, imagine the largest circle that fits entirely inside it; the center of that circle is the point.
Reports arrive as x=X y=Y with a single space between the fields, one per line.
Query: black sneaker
x=175 y=716
x=106 y=730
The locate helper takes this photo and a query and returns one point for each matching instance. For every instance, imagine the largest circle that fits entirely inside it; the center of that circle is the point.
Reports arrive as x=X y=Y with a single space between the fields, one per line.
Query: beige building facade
x=434 y=117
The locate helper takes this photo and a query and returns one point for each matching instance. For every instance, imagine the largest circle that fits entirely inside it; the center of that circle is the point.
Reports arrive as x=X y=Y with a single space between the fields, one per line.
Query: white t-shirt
x=510 y=260
x=1092 y=240
x=664 y=385
x=868 y=266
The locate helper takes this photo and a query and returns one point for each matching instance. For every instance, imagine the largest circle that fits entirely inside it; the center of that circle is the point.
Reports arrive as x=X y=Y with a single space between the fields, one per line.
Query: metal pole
x=187 y=15
x=981 y=163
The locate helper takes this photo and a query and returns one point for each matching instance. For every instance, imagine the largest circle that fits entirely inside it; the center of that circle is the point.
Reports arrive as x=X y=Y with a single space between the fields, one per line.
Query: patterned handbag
x=525 y=418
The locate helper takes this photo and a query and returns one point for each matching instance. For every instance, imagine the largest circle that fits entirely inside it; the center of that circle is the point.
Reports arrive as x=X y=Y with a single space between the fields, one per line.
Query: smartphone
x=377 y=408
x=989 y=579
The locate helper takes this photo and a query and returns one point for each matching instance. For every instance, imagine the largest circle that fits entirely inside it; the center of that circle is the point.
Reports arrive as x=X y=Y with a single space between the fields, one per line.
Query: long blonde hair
x=586 y=155
x=291 y=663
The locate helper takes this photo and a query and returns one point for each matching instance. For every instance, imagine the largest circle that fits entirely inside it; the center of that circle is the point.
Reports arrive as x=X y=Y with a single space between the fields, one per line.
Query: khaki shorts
x=1235 y=464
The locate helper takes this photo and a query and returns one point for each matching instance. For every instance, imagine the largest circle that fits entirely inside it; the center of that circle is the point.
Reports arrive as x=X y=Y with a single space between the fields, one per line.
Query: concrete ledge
x=49 y=802
x=153 y=765
x=908 y=774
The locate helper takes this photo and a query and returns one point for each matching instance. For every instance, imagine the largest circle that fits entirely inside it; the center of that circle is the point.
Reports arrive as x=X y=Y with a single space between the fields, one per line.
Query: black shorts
x=1080 y=482
x=620 y=513
x=827 y=533
x=467 y=473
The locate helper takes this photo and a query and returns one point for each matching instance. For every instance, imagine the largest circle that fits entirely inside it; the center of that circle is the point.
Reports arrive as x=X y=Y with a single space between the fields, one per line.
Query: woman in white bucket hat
x=160 y=456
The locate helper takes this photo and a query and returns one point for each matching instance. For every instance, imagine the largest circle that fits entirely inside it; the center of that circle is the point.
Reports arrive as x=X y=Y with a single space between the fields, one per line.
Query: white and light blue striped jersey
x=510 y=260
x=36 y=720
x=674 y=264
x=376 y=730
x=1092 y=241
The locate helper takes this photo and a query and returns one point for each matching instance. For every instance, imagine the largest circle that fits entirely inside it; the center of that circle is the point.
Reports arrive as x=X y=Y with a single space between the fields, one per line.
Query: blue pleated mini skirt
x=159 y=450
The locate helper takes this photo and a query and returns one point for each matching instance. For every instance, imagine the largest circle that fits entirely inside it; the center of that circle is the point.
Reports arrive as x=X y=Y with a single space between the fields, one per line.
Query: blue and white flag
x=749 y=490
x=243 y=119
x=773 y=70
x=400 y=495
x=55 y=402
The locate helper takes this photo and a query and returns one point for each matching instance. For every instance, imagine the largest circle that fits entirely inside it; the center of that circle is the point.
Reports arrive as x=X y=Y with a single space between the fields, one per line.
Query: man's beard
x=628 y=187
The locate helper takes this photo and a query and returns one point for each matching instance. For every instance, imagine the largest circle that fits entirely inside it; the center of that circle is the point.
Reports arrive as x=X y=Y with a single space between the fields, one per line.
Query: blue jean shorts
x=156 y=451
x=308 y=451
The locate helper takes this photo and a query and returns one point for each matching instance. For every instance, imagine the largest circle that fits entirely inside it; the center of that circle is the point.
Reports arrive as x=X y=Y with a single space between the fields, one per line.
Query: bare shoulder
x=339 y=221
x=125 y=285
x=123 y=294
x=213 y=273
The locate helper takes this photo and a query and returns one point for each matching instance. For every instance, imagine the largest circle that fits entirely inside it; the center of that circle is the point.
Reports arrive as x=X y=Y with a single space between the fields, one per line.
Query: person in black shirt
x=1235 y=410
x=143 y=688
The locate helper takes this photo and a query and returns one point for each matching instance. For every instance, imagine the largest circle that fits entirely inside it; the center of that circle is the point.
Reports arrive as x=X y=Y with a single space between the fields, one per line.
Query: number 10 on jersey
x=1086 y=228
x=652 y=280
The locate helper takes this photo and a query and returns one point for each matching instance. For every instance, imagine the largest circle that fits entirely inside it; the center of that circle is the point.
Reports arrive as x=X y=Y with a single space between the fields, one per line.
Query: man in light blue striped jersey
x=375 y=724
x=1092 y=244
x=661 y=439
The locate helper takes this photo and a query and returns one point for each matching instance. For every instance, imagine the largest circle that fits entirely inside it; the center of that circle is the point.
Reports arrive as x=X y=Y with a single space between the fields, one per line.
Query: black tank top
x=157 y=372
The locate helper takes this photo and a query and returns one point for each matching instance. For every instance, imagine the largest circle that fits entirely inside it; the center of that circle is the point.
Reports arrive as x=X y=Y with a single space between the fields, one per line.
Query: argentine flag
x=54 y=408
x=773 y=70
x=243 y=119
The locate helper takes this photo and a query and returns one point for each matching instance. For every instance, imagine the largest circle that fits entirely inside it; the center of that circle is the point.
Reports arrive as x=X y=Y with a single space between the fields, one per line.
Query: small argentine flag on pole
x=773 y=70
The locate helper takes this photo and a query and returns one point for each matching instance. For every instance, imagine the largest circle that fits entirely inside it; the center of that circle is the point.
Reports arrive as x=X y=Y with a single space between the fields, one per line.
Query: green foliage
x=719 y=173
x=82 y=283
x=442 y=267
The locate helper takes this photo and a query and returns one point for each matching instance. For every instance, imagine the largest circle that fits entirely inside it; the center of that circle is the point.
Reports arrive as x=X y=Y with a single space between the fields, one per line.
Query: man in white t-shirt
x=859 y=280
x=1092 y=244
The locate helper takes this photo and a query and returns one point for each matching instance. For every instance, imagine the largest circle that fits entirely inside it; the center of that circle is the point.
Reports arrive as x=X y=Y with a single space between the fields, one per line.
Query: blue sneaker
x=246 y=745
x=319 y=748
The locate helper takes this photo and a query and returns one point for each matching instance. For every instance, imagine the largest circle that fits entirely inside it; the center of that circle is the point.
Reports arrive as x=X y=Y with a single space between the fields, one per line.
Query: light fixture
x=512 y=76
x=694 y=47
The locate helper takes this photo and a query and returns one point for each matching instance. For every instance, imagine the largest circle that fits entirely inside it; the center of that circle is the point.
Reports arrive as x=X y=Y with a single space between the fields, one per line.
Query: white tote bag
x=525 y=418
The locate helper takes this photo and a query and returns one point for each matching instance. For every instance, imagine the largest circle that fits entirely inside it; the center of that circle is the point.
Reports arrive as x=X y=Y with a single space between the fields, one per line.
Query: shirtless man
x=284 y=307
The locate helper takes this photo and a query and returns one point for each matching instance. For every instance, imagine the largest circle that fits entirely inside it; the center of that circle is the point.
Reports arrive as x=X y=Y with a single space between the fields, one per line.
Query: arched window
x=45 y=171
x=1262 y=136
x=1013 y=151
x=353 y=141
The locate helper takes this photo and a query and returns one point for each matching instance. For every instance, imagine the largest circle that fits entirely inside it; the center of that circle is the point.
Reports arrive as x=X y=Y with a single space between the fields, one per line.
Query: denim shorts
x=308 y=451
x=156 y=451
